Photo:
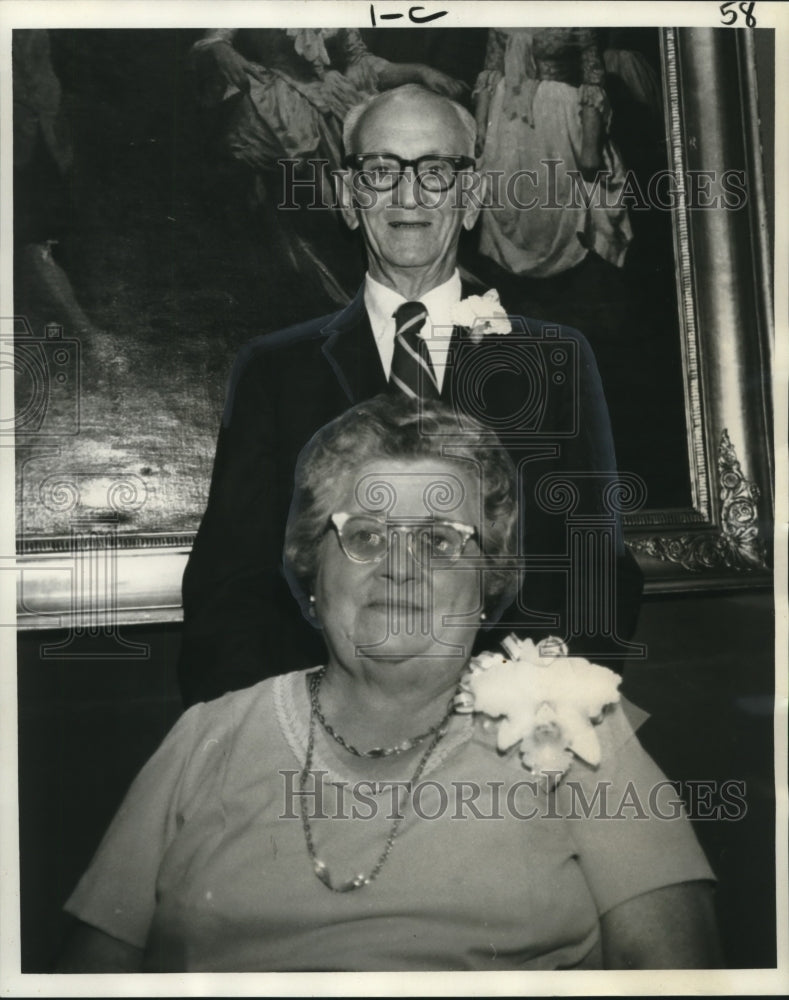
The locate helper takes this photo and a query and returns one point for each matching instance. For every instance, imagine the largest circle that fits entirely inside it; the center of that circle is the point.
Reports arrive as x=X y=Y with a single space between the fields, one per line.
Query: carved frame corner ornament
x=737 y=545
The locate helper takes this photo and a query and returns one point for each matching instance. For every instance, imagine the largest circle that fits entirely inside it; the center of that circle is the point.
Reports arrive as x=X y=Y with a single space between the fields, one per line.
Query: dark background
x=165 y=257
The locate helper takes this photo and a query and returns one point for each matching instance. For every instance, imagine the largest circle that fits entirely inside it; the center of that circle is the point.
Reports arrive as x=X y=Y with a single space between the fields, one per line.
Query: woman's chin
x=407 y=644
x=381 y=632
x=375 y=644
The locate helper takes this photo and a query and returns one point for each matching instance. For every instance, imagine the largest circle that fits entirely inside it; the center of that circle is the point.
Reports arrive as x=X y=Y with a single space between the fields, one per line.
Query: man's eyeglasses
x=382 y=171
x=365 y=538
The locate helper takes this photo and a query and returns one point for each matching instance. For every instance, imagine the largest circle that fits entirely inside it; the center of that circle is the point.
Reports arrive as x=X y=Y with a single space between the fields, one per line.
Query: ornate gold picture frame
x=724 y=277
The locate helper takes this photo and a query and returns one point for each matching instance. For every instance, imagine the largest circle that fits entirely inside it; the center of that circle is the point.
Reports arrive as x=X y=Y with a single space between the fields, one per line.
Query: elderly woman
x=402 y=806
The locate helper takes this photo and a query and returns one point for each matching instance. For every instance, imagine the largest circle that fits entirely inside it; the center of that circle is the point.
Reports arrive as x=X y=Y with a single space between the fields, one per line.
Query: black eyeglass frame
x=467 y=532
x=354 y=161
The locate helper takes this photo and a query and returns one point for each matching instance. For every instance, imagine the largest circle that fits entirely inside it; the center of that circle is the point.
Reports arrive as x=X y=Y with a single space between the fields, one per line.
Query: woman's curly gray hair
x=392 y=426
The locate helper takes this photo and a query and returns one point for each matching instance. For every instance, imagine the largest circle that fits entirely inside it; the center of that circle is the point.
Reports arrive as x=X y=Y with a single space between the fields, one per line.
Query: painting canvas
x=152 y=239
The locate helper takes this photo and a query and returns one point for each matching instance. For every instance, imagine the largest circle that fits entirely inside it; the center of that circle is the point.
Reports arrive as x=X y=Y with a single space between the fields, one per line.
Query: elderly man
x=409 y=185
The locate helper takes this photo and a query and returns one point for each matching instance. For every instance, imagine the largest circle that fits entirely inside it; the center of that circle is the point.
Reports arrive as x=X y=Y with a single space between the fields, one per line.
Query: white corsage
x=544 y=699
x=481 y=315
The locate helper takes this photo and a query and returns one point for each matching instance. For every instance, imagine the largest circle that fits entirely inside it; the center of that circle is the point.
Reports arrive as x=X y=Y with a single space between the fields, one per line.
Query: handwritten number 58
x=729 y=16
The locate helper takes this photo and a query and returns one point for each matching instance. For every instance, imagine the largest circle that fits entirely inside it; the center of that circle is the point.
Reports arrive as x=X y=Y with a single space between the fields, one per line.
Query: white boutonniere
x=481 y=315
x=544 y=699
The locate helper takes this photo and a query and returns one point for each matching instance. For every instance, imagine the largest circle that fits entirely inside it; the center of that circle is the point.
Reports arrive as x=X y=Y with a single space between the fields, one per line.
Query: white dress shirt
x=382 y=303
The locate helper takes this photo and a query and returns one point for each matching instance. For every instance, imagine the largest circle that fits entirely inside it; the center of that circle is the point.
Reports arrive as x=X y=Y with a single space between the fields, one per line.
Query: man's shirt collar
x=382 y=302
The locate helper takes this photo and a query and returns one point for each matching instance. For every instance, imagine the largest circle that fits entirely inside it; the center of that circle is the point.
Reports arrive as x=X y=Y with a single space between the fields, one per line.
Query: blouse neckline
x=292 y=709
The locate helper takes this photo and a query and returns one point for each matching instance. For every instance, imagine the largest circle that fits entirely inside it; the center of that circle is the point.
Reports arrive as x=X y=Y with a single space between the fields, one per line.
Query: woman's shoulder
x=223 y=717
x=619 y=724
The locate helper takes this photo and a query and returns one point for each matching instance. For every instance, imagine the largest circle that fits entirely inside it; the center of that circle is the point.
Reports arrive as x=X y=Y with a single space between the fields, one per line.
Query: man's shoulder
x=547 y=330
x=290 y=337
x=526 y=316
x=292 y=352
x=536 y=325
x=300 y=339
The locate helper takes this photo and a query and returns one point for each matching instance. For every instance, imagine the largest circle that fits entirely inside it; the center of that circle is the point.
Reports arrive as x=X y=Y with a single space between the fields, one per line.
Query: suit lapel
x=461 y=356
x=455 y=346
x=468 y=286
x=352 y=353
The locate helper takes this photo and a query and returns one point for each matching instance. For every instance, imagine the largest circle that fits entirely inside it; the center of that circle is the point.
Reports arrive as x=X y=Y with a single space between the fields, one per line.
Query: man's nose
x=406 y=193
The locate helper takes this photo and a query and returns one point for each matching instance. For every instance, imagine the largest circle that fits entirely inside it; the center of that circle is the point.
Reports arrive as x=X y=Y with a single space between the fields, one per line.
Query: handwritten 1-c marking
x=413 y=16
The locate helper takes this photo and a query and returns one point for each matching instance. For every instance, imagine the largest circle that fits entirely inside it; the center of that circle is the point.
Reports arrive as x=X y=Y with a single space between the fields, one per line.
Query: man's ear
x=343 y=181
x=475 y=194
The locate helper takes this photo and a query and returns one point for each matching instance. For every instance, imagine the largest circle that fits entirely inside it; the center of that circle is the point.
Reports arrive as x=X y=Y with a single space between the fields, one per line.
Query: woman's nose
x=399 y=564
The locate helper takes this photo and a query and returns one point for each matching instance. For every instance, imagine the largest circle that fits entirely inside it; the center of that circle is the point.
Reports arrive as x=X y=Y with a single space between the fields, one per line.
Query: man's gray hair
x=354 y=116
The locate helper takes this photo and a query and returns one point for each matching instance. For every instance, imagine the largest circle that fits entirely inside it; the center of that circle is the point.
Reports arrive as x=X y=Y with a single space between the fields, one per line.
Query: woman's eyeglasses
x=365 y=538
x=382 y=171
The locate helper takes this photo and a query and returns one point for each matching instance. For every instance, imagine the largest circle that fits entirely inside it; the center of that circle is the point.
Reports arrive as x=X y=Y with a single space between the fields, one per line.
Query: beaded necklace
x=374 y=751
x=318 y=866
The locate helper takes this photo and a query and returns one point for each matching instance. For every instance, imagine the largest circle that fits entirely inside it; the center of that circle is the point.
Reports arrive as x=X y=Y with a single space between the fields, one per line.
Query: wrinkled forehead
x=411 y=127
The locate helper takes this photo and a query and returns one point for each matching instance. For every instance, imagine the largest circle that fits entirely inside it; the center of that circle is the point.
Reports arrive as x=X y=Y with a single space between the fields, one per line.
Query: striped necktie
x=412 y=370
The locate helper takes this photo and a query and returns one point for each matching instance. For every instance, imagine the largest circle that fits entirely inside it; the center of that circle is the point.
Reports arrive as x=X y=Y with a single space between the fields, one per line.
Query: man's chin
x=403 y=256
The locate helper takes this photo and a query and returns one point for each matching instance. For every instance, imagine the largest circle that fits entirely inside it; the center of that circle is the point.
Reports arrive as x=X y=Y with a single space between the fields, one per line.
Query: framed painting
x=162 y=220
x=145 y=257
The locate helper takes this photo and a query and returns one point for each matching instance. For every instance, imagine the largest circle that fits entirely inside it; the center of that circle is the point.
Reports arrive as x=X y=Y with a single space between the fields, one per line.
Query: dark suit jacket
x=241 y=621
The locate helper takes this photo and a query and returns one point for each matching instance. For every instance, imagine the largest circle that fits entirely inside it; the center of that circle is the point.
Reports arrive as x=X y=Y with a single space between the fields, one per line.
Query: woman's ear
x=311 y=589
x=343 y=181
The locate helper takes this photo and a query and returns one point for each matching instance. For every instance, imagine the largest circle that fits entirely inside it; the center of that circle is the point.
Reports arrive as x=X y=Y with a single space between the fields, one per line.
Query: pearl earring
x=483 y=617
x=312 y=605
